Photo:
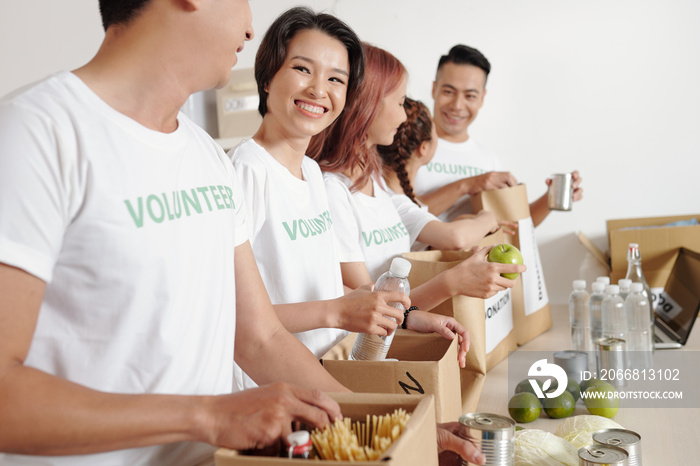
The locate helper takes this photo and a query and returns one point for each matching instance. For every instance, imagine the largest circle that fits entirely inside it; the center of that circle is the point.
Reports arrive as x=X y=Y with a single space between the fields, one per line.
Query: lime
x=561 y=406
x=573 y=387
x=585 y=384
x=525 y=386
x=600 y=400
x=524 y=407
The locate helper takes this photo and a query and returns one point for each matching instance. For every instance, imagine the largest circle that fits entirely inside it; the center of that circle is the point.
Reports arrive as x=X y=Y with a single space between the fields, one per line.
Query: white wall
x=607 y=87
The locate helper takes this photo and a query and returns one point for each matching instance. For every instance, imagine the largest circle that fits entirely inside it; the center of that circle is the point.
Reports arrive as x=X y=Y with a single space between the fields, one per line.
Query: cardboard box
x=237 y=105
x=417 y=445
x=658 y=245
x=427 y=364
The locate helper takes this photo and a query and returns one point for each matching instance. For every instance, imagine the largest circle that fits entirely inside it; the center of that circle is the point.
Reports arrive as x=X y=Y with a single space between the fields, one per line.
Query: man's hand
x=452 y=448
x=448 y=327
x=488 y=181
x=258 y=417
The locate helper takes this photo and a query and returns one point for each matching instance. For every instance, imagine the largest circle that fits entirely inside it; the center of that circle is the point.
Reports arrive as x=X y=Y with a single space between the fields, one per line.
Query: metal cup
x=561 y=192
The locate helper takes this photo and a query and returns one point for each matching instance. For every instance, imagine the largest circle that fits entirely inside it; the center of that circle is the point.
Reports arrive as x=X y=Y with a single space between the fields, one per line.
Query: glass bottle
x=634 y=273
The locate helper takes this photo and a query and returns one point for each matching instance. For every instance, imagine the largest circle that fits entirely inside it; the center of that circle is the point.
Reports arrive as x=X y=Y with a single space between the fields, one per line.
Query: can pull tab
x=484 y=420
x=614 y=441
x=596 y=453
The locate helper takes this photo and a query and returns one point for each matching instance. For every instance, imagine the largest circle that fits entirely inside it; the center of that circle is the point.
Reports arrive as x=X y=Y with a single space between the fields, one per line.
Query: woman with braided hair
x=413 y=146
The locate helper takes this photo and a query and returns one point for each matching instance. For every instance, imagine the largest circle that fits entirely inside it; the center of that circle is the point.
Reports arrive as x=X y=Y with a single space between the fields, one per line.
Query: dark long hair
x=273 y=49
x=342 y=146
x=411 y=134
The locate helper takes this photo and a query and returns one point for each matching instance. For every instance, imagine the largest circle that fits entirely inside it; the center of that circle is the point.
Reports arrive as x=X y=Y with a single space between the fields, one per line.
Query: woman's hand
x=366 y=311
x=452 y=448
x=479 y=278
x=448 y=327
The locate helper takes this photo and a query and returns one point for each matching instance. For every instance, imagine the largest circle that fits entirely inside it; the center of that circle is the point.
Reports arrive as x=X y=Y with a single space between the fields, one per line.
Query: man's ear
x=434 y=89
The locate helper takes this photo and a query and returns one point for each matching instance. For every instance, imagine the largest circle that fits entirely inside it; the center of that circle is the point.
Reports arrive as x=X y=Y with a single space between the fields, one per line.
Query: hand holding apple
x=506 y=254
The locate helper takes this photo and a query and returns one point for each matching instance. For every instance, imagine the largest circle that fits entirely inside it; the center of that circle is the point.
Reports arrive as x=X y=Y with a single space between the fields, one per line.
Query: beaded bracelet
x=405 y=315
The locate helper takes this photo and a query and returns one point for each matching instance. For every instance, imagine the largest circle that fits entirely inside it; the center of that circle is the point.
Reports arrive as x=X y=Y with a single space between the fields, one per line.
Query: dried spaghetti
x=359 y=441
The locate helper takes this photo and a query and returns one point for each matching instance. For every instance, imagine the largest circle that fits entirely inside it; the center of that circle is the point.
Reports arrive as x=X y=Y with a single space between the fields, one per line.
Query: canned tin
x=597 y=455
x=492 y=434
x=561 y=192
x=573 y=362
x=628 y=440
x=610 y=360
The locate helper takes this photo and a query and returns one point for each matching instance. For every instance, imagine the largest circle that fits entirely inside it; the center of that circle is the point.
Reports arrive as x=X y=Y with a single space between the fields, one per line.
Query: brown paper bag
x=531 y=312
x=417 y=363
x=490 y=322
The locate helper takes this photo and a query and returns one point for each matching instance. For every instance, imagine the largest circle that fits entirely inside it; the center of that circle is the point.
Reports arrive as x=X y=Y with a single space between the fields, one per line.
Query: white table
x=669 y=436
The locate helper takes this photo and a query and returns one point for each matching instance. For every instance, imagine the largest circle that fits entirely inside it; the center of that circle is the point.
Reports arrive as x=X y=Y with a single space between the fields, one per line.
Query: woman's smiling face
x=308 y=92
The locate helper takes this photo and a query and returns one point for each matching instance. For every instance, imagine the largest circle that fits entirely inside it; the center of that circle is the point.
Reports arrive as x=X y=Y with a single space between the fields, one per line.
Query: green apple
x=506 y=254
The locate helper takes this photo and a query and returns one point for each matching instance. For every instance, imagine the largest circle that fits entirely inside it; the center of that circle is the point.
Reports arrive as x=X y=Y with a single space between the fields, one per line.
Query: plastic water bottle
x=640 y=345
x=634 y=273
x=625 y=287
x=578 y=315
x=373 y=347
x=595 y=302
x=613 y=314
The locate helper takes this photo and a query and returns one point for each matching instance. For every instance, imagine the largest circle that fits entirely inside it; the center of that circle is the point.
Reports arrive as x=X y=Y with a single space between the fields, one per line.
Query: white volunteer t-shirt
x=369 y=228
x=452 y=162
x=133 y=232
x=292 y=235
x=413 y=215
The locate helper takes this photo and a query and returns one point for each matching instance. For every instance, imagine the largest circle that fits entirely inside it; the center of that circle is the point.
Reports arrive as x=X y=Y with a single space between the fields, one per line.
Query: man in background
x=461 y=167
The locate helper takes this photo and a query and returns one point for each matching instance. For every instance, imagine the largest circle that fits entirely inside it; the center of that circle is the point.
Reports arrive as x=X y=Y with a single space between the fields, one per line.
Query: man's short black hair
x=120 y=11
x=464 y=55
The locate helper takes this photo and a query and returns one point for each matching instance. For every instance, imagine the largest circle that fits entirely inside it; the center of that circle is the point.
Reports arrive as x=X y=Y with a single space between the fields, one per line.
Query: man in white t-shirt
x=461 y=167
x=124 y=258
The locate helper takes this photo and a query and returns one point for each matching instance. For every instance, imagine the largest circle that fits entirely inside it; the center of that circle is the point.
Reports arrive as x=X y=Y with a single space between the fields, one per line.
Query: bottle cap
x=604 y=280
x=637 y=287
x=597 y=286
x=612 y=289
x=299 y=437
x=625 y=283
x=579 y=284
x=400 y=267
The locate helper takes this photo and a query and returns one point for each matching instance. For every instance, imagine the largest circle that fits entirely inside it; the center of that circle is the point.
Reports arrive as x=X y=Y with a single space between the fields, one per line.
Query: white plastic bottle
x=613 y=314
x=595 y=300
x=634 y=273
x=625 y=287
x=373 y=347
x=604 y=279
x=640 y=344
x=578 y=317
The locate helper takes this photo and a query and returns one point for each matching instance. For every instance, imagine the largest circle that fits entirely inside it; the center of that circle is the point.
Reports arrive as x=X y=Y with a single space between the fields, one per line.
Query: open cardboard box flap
x=658 y=244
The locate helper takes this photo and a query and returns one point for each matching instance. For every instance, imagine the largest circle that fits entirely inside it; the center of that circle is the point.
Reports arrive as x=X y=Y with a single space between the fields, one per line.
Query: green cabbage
x=539 y=448
x=578 y=430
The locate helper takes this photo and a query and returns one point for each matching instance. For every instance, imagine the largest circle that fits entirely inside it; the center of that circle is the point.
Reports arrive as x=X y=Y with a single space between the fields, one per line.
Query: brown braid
x=411 y=134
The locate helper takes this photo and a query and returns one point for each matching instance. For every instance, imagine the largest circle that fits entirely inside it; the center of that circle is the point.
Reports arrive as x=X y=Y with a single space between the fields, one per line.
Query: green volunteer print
x=384 y=235
x=453 y=169
x=162 y=207
x=307 y=227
